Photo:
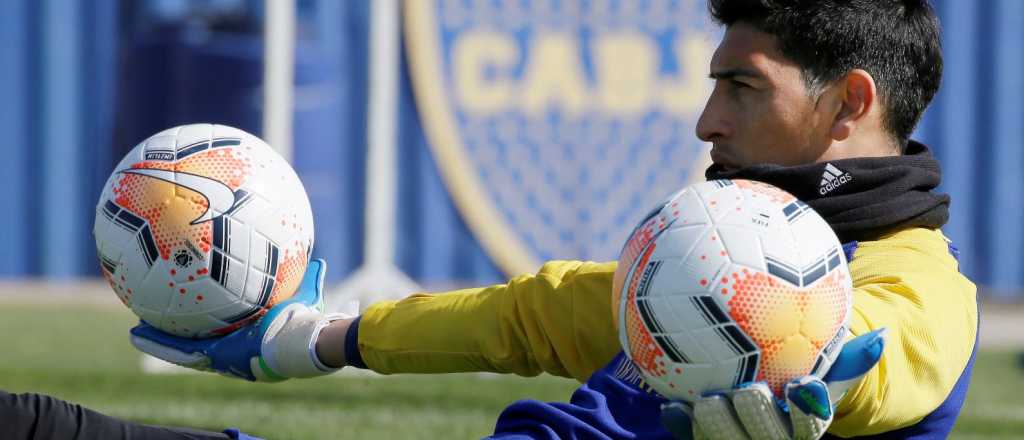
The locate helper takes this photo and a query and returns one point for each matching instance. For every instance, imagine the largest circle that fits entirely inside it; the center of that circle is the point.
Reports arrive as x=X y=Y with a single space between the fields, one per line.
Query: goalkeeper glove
x=752 y=412
x=280 y=345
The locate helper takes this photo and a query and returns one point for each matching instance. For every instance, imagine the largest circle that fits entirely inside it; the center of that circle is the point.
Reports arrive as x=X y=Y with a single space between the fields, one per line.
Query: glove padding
x=280 y=345
x=752 y=412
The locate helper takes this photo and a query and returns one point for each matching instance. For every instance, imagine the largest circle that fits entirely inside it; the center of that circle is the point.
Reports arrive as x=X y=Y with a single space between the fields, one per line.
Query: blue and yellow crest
x=558 y=124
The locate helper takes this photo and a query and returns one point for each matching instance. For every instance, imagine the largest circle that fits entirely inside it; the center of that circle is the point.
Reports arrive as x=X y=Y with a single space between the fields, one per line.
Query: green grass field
x=81 y=353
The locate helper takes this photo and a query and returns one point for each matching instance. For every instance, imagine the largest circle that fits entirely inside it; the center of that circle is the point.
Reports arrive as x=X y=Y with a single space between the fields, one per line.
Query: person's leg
x=36 y=416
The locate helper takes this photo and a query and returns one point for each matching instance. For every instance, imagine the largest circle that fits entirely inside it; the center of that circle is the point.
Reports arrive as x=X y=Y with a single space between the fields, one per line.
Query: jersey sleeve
x=556 y=321
x=908 y=283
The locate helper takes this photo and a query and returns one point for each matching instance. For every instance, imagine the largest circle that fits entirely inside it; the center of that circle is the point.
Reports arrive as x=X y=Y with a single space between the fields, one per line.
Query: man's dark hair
x=896 y=41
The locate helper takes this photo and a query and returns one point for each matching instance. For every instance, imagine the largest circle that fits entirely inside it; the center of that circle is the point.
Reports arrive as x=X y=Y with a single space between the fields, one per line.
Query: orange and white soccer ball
x=728 y=282
x=201 y=228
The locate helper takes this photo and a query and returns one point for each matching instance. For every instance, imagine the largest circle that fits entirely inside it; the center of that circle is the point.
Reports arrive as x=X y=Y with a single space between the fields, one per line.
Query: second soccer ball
x=727 y=282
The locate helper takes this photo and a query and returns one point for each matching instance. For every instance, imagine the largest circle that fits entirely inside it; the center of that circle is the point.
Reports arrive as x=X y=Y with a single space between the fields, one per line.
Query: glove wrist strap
x=289 y=346
x=312 y=342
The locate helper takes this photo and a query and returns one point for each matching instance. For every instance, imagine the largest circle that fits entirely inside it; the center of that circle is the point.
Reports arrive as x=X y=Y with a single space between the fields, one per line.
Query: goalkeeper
x=803 y=90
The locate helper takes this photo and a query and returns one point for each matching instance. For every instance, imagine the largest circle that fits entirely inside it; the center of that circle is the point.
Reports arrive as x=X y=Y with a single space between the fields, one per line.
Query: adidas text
x=833 y=178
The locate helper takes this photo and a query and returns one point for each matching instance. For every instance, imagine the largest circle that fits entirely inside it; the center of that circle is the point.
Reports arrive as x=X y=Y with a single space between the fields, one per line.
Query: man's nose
x=712 y=123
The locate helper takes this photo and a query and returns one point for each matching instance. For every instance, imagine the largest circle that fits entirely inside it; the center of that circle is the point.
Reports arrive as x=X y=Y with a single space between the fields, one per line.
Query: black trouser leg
x=36 y=416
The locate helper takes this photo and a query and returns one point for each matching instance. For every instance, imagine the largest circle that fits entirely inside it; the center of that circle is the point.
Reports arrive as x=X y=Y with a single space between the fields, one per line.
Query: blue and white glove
x=752 y=412
x=280 y=345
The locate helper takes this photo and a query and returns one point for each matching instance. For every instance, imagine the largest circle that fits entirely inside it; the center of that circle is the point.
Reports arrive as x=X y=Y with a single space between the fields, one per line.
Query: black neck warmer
x=861 y=198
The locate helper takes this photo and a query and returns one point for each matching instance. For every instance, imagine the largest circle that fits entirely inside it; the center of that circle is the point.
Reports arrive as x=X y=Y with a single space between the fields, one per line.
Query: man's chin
x=724 y=167
x=718 y=171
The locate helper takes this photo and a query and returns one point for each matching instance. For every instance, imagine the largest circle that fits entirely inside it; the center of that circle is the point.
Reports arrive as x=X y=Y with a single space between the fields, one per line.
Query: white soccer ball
x=201 y=228
x=730 y=282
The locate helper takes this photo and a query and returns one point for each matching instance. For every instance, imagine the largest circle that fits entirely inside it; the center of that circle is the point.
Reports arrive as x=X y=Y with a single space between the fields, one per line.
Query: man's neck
x=862 y=146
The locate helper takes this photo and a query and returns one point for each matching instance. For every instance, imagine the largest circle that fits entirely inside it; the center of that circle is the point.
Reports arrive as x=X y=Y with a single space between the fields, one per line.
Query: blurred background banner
x=525 y=130
x=58 y=86
x=557 y=126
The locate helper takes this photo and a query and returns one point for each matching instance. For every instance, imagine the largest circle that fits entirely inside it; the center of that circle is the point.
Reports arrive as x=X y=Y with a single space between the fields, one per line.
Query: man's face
x=760 y=110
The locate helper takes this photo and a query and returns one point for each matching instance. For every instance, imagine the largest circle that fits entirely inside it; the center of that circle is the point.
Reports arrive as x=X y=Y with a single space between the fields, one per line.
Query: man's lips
x=723 y=160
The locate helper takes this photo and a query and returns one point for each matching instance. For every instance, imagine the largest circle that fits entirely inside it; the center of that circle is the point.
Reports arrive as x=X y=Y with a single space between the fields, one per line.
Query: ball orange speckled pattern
x=201 y=228
x=729 y=282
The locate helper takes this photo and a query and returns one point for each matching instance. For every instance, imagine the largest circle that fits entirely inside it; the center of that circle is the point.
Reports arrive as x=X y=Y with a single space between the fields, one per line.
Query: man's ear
x=857 y=96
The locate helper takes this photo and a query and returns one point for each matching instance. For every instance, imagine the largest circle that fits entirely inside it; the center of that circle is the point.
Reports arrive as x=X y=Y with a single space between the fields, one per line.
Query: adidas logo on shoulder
x=832 y=178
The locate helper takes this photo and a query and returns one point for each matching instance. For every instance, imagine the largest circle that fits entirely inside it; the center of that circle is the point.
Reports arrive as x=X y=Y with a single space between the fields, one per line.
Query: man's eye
x=740 y=85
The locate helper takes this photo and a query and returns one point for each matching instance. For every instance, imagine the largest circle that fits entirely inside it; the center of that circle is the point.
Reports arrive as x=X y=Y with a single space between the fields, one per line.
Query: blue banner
x=554 y=125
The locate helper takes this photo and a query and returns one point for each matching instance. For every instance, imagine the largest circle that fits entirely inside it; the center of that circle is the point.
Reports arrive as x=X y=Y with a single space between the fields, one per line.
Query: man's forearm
x=330 y=345
x=557 y=321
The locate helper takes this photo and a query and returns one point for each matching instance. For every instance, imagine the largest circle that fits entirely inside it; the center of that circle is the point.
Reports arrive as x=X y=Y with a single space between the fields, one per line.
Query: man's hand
x=752 y=412
x=280 y=345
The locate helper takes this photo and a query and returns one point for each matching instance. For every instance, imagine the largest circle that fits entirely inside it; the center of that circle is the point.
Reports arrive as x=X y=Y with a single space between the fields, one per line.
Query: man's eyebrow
x=733 y=73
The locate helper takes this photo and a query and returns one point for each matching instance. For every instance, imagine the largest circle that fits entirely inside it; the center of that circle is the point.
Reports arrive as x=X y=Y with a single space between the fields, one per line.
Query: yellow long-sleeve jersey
x=559 y=321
